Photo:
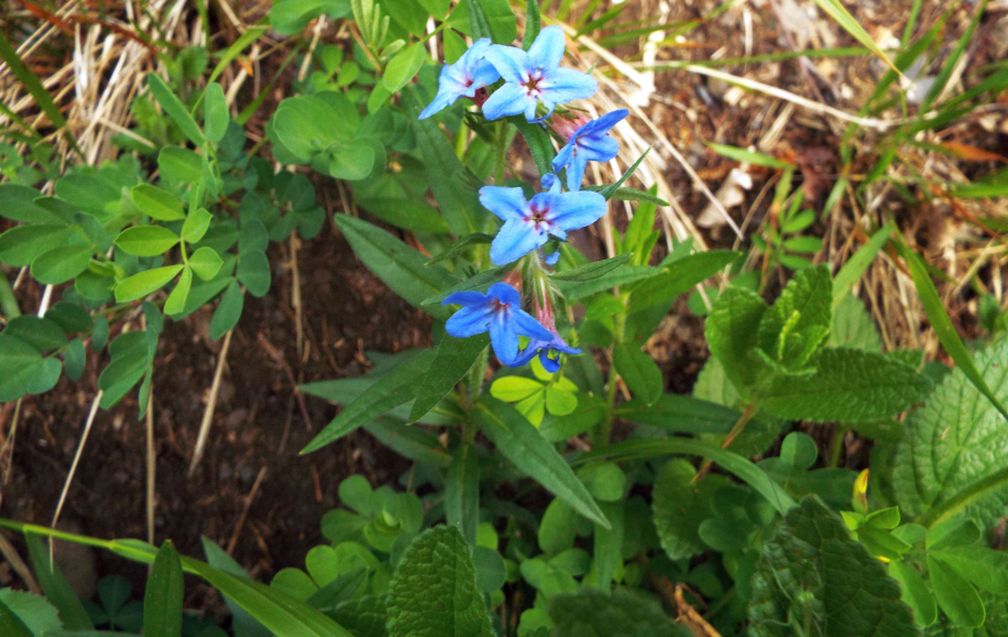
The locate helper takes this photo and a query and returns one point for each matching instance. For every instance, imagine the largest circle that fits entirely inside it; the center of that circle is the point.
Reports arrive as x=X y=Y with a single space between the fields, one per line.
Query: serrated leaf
x=11 y=624
x=146 y=241
x=799 y=320
x=394 y=388
x=679 y=506
x=593 y=613
x=145 y=282
x=847 y=386
x=433 y=590
x=731 y=330
x=55 y=586
x=853 y=326
x=533 y=455
x=950 y=459
x=34 y=613
x=401 y=268
x=162 y=607
x=639 y=371
x=811 y=574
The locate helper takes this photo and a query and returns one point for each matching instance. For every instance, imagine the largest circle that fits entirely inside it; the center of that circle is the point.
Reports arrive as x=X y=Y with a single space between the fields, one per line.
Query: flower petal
x=508 y=100
x=564 y=85
x=503 y=338
x=465 y=297
x=573 y=210
x=598 y=148
x=547 y=49
x=509 y=61
x=506 y=203
x=505 y=293
x=563 y=156
x=575 y=171
x=514 y=240
x=470 y=321
x=603 y=124
x=551 y=365
x=526 y=325
x=441 y=101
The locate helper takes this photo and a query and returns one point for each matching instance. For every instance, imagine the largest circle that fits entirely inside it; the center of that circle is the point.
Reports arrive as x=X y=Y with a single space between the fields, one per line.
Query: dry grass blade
x=211 y=406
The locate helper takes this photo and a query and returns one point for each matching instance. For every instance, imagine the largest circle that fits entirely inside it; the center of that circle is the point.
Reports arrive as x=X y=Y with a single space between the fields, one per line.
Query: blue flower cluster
x=530 y=83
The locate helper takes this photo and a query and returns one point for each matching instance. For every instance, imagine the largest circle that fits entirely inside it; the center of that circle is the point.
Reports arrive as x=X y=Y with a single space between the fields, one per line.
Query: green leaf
x=59 y=265
x=393 y=388
x=162 y=606
x=531 y=454
x=215 y=113
x=32 y=83
x=539 y=143
x=196 y=225
x=851 y=271
x=176 y=301
x=811 y=576
x=157 y=203
x=593 y=613
x=623 y=275
x=533 y=23
x=75 y=359
x=492 y=19
x=25 y=370
x=957 y=597
x=640 y=373
x=746 y=156
x=288 y=17
x=591 y=271
x=146 y=241
x=557 y=528
x=128 y=365
x=950 y=459
x=33 y=612
x=10 y=624
x=145 y=282
x=228 y=311
x=681 y=414
x=57 y=590
x=400 y=267
x=174 y=108
x=403 y=66
x=680 y=505
x=731 y=330
x=915 y=593
x=44 y=334
x=853 y=326
x=20 y=245
x=433 y=590
x=254 y=272
x=512 y=389
x=462 y=490
x=205 y=262
x=835 y=10
x=942 y=324
x=848 y=386
x=453 y=359
x=798 y=322
x=447 y=177
x=180 y=165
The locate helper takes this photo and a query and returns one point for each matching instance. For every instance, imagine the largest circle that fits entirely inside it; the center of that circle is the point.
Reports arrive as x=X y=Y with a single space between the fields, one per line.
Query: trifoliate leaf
x=433 y=591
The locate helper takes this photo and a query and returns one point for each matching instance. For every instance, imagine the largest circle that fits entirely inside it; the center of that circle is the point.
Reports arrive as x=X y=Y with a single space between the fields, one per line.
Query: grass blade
x=839 y=13
x=942 y=324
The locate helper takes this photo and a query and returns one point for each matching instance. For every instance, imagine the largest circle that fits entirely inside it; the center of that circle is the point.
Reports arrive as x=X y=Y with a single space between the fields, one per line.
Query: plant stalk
x=736 y=430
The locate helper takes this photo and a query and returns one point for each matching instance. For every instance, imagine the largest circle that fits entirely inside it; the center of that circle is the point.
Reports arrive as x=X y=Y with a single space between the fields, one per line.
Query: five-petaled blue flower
x=498 y=312
x=471 y=72
x=534 y=77
x=529 y=224
x=548 y=350
x=590 y=142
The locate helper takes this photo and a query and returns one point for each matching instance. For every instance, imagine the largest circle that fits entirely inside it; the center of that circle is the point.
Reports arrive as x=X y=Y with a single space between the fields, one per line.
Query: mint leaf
x=433 y=591
x=731 y=334
x=848 y=385
x=812 y=576
x=680 y=506
x=592 y=613
x=953 y=448
x=799 y=320
x=853 y=326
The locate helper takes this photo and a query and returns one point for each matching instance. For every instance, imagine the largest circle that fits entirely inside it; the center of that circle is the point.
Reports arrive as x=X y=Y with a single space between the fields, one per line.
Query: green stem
x=836 y=445
x=604 y=431
x=963 y=499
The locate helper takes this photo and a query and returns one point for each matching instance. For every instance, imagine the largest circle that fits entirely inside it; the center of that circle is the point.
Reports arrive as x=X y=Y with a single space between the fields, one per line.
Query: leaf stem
x=836 y=445
x=736 y=430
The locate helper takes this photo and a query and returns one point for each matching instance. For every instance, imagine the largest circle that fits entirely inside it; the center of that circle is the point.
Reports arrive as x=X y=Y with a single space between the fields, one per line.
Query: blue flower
x=529 y=224
x=534 y=77
x=590 y=142
x=548 y=350
x=467 y=75
x=498 y=312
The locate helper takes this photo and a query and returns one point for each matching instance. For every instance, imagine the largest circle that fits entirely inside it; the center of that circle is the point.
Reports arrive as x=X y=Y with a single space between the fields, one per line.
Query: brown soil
x=258 y=426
